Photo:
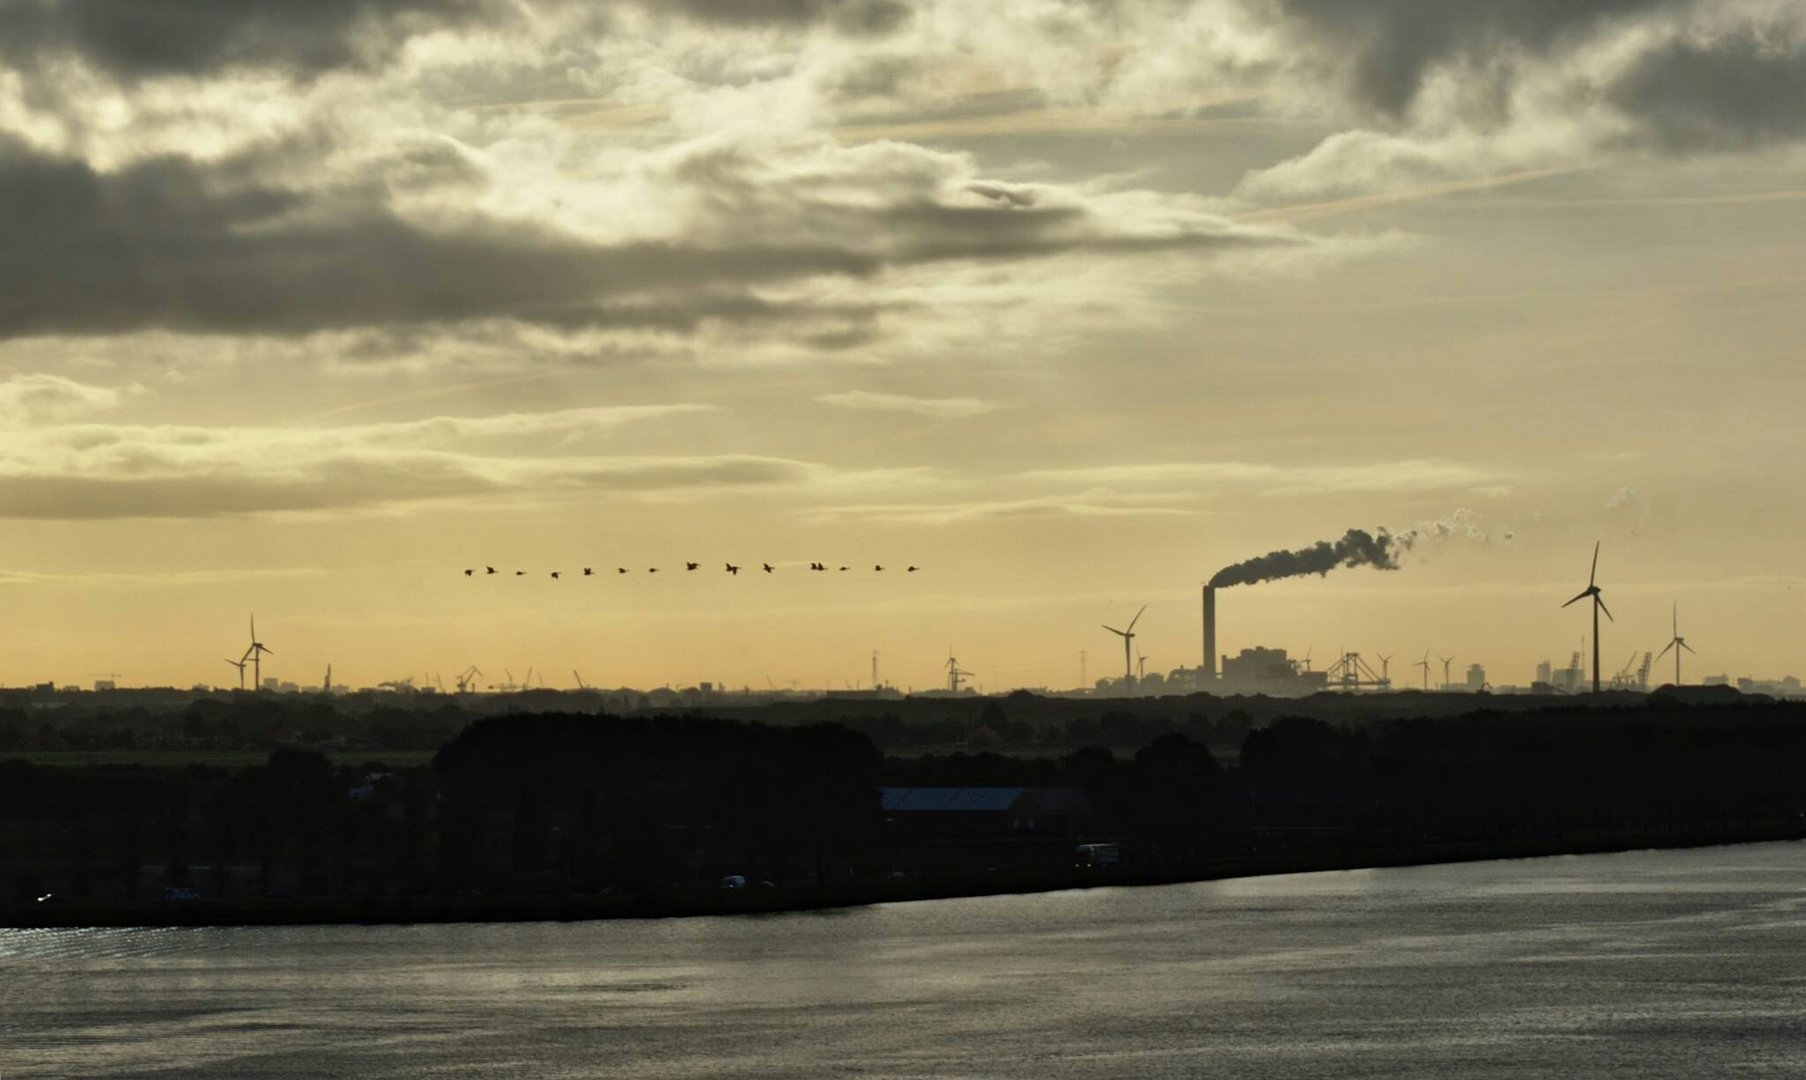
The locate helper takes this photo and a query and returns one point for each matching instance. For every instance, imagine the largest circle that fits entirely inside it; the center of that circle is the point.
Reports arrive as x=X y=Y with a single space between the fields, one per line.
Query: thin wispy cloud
x=943 y=408
x=1279 y=480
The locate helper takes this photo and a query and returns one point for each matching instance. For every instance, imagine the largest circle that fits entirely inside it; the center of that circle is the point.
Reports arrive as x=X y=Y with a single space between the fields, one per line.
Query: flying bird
x=620 y=569
x=588 y=570
x=554 y=575
x=767 y=567
x=912 y=569
x=520 y=573
x=490 y=569
x=732 y=569
x=467 y=573
x=691 y=565
x=652 y=569
x=843 y=568
x=877 y=568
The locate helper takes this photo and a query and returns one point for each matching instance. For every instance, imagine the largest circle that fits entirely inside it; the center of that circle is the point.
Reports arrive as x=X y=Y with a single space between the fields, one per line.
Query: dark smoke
x=1357 y=547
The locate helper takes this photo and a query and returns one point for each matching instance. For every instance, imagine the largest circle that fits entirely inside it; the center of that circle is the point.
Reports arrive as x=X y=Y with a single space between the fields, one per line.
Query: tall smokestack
x=1210 y=635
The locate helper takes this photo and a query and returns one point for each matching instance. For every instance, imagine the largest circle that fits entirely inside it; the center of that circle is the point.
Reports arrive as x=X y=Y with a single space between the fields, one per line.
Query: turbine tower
x=1386 y=671
x=240 y=665
x=1446 y=661
x=1593 y=591
x=1128 y=657
x=1425 y=664
x=1677 y=643
x=255 y=655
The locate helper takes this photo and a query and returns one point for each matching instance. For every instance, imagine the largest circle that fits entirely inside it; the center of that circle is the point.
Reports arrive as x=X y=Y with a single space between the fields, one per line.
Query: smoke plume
x=1358 y=547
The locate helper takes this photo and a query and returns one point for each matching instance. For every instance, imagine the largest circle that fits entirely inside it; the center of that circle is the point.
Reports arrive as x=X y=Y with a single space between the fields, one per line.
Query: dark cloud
x=144 y=38
x=848 y=16
x=136 y=39
x=1386 y=49
x=168 y=243
x=1732 y=93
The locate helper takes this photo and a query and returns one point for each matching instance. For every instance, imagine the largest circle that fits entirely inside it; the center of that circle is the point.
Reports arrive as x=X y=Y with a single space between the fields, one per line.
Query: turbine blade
x=1137 y=617
x=1690 y=648
x=1579 y=598
x=1593 y=574
x=1664 y=651
x=1112 y=629
x=1600 y=600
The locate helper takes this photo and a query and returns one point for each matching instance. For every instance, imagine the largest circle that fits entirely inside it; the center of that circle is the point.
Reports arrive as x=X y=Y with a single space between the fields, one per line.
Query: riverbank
x=60 y=913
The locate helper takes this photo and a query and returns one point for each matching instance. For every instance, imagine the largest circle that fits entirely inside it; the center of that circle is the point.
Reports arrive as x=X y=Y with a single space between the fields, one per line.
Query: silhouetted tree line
x=553 y=804
x=586 y=802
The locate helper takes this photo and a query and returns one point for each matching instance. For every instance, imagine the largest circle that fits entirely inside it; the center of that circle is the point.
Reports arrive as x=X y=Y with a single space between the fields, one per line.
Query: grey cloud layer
x=1388 y=49
x=139 y=39
x=200 y=37
x=1732 y=92
x=170 y=243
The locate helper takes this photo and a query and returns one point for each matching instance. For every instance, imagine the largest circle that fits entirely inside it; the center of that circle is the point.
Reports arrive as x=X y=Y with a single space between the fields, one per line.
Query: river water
x=1683 y=964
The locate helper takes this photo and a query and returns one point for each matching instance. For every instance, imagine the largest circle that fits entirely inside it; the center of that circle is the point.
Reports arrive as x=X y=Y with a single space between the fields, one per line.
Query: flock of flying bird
x=589 y=571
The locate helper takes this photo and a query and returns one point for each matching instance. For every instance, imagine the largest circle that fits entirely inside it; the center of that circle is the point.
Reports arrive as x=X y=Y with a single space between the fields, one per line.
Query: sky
x=308 y=305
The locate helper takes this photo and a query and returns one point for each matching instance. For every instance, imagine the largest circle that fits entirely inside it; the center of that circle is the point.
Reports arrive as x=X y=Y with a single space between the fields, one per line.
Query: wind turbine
x=1446 y=661
x=240 y=665
x=1128 y=660
x=1425 y=664
x=255 y=655
x=1593 y=591
x=1677 y=643
x=1386 y=671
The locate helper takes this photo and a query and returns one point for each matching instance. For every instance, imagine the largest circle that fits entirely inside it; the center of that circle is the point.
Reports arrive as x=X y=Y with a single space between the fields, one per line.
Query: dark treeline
x=156 y=721
x=585 y=805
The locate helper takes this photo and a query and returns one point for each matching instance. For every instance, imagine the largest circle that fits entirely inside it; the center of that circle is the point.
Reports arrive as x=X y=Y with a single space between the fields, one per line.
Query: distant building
x=1269 y=671
x=1716 y=680
x=1476 y=677
x=1545 y=672
x=103 y=685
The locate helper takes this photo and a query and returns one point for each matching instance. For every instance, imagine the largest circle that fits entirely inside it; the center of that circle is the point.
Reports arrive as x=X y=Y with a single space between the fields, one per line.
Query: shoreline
x=700 y=902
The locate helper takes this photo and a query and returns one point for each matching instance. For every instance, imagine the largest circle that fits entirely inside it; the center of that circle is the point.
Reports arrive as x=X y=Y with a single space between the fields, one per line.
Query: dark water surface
x=1680 y=964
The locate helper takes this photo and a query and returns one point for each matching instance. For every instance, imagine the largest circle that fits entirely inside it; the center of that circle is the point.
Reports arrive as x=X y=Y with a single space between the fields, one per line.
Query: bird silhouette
x=767 y=567
x=652 y=569
x=490 y=569
x=732 y=569
x=467 y=573
x=691 y=565
x=554 y=575
x=913 y=569
x=843 y=568
x=620 y=569
x=816 y=566
x=877 y=568
x=520 y=573
x=588 y=570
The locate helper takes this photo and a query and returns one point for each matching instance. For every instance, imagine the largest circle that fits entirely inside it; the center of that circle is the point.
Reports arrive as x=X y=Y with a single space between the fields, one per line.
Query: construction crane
x=466 y=680
x=1621 y=679
x=1353 y=673
x=954 y=675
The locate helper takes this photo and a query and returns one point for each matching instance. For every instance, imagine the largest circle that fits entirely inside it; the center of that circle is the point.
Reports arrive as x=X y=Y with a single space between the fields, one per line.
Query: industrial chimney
x=1210 y=636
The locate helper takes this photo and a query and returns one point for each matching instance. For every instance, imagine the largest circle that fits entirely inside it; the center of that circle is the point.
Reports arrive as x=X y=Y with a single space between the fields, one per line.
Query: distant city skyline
x=304 y=309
